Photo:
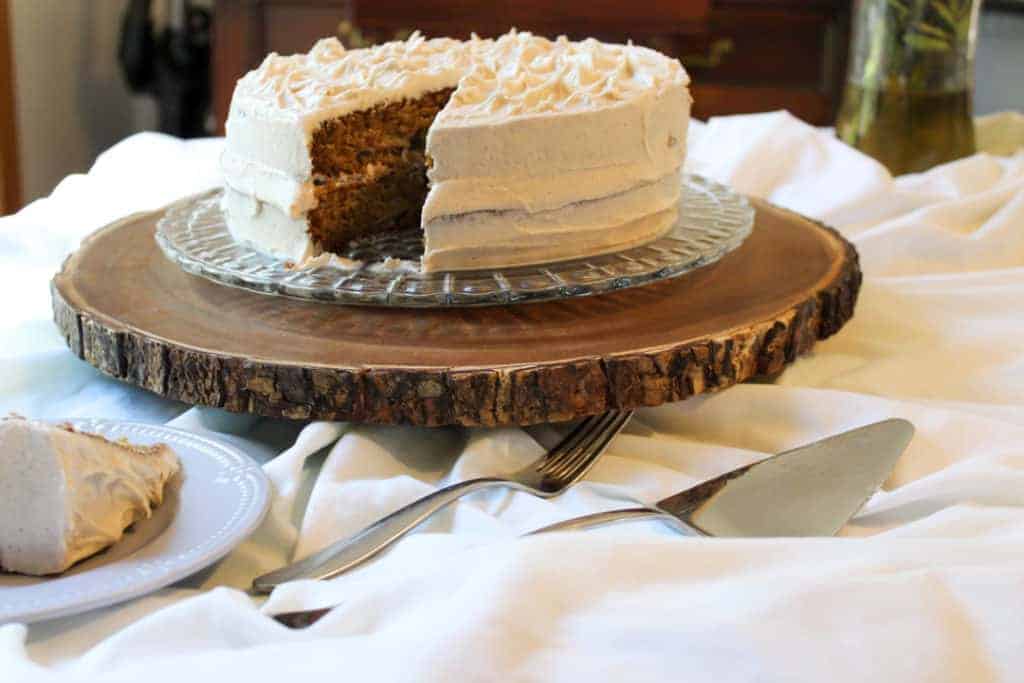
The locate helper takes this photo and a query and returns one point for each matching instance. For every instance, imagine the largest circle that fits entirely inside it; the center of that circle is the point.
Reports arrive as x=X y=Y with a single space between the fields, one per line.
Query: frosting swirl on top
x=329 y=76
x=515 y=75
x=520 y=74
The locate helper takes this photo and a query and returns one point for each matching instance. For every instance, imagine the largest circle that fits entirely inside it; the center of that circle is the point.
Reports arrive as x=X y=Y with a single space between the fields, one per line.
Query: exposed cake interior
x=370 y=170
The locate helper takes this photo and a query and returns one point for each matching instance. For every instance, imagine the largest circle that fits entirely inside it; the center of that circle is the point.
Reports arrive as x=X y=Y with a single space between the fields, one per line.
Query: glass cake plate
x=383 y=271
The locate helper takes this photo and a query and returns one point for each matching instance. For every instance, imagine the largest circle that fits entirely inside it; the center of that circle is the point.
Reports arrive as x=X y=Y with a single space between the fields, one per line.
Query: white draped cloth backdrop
x=925 y=584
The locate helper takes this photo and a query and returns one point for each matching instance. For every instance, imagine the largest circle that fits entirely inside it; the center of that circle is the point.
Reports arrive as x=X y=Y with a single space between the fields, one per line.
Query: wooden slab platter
x=127 y=310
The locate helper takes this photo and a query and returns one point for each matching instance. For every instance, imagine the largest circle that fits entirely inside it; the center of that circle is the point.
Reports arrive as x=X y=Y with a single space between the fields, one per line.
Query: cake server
x=808 y=491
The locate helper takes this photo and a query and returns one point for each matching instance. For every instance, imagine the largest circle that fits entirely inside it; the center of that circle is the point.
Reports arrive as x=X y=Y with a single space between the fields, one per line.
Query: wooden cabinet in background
x=10 y=186
x=743 y=55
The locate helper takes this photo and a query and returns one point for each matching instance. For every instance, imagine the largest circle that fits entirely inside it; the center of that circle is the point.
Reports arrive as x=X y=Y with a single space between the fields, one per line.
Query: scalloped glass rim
x=713 y=221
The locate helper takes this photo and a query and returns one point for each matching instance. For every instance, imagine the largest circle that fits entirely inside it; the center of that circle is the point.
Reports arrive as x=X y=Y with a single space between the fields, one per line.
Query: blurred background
x=76 y=76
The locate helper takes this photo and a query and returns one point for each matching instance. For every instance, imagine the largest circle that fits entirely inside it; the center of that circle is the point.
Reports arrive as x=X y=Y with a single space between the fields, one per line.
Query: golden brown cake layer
x=369 y=170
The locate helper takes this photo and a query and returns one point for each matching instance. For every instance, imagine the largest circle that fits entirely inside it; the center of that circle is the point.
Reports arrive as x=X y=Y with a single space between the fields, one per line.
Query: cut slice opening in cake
x=370 y=170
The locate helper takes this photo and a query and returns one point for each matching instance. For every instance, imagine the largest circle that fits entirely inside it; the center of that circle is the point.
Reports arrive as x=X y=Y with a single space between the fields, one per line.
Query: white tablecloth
x=926 y=584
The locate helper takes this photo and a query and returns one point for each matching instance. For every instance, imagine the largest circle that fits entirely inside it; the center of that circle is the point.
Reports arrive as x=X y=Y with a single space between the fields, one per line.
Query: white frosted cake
x=506 y=152
x=65 y=495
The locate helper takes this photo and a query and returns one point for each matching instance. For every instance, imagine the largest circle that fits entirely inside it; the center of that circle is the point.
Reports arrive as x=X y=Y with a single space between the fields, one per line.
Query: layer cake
x=505 y=151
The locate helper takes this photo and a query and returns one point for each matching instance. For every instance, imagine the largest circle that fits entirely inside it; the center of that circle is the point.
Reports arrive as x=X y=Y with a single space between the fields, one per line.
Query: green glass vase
x=907 y=99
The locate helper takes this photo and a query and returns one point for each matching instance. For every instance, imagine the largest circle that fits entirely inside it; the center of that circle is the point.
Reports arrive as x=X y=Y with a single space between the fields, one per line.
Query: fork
x=548 y=476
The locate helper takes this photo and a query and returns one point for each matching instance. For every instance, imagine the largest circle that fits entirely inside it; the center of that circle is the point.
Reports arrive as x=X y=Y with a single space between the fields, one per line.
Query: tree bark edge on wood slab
x=507 y=395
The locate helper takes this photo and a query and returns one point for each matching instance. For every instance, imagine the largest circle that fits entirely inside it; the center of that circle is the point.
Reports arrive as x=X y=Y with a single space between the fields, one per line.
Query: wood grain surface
x=127 y=310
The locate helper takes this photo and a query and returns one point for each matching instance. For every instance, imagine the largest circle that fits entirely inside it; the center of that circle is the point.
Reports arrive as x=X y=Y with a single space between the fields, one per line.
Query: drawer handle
x=716 y=54
x=353 y=38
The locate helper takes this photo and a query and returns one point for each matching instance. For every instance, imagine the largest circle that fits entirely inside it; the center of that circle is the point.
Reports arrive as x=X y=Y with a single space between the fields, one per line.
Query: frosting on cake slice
x=66 y=495
x=520 y=138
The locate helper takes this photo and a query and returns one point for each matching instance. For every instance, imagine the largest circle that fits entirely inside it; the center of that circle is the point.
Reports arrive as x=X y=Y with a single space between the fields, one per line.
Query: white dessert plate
x=384 y=271
x=218 y=499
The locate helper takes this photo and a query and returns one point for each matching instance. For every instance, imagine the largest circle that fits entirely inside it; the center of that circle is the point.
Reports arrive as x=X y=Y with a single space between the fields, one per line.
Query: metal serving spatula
x=808 y=491
x=812 y=490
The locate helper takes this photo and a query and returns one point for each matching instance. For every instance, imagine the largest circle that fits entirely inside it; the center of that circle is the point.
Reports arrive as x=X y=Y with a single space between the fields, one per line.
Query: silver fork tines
x=591 y=438
x=570 y=445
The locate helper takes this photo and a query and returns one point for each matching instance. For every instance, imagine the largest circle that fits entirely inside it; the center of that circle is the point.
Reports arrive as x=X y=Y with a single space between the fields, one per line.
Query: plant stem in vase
x=907 y=100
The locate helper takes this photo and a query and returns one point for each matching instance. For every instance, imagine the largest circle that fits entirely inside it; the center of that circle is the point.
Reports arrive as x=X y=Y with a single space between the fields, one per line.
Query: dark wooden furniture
x=10 y=185
x=790 y=284
x=744 y=55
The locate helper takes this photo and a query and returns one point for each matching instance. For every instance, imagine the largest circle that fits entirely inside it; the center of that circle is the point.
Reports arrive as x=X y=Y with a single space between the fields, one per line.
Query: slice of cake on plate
x=66 y=495
x=506 y=152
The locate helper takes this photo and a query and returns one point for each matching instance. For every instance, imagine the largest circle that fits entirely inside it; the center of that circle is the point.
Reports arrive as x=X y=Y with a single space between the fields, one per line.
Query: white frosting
x=534 y=249
x=534 y=126
x=543 y=191
x=290 y=195
x=276 y=108
x=65 y=495
x=331 y=81
x=388 y=265
x=513 y=238
x=267 y=227
x=521 y=74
